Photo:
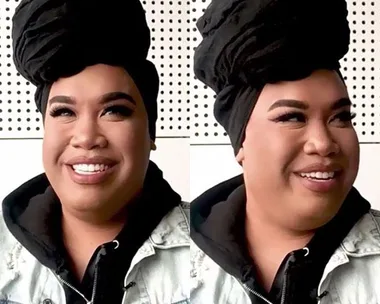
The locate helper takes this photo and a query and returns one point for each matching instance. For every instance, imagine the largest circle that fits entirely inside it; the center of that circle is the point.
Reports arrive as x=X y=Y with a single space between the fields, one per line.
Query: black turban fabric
x=60 y=38
x=249 y=43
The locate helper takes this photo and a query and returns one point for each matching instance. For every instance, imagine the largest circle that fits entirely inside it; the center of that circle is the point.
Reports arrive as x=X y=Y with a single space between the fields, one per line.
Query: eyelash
x=59 y=111
x=118 y=110
x=344 y=116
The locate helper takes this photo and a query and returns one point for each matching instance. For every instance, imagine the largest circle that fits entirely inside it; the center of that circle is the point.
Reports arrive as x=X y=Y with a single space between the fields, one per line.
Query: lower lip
x=90 y=179
x=320 y=185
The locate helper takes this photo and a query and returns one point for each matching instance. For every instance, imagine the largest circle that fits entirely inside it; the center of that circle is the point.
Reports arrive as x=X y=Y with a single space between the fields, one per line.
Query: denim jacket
x=159 y=272
x=352 y=275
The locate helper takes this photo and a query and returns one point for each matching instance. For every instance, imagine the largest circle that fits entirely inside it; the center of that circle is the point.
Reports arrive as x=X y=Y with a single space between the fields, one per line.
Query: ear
x=153 y=146
x=240 y=156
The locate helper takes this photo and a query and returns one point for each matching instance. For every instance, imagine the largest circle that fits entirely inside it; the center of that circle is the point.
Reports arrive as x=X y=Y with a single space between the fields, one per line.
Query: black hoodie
x=217 y=227
x=33 y=213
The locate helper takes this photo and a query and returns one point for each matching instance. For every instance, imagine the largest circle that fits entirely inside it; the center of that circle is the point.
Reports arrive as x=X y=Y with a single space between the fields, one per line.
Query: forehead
x=320 y=89
x=94 y=81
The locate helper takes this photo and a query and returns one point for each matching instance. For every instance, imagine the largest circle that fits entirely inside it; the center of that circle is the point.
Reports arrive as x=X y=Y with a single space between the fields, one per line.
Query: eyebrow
x=106 y=98
x=298 y=104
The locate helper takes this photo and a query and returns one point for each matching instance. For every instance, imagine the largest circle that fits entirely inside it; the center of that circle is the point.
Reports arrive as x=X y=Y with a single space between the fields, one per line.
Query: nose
x=87 y=134
x=320 y=141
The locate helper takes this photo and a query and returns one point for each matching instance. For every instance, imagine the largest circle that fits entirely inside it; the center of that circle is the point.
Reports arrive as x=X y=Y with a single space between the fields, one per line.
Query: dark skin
x=96 y=113
x=295 y=125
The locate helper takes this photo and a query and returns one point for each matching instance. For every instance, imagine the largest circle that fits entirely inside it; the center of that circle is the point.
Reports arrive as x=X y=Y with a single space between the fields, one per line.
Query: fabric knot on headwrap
x=249 y=43
x=60 y=38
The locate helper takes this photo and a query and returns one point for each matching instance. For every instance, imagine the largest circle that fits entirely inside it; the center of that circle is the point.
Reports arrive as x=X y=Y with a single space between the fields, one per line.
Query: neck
x=269 y=243
x=81 y=238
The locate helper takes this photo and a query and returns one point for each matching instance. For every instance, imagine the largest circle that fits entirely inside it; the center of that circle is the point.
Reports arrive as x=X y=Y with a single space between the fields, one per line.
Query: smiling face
x=300 y=155
x=96 y=143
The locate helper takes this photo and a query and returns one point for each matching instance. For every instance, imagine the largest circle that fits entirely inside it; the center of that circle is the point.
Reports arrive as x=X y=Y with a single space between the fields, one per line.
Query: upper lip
x=320 y=167
x=101 y=160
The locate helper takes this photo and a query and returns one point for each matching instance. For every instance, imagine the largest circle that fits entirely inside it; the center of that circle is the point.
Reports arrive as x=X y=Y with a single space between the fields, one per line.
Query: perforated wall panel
x=360 y=67
x=184 y=102
x=170 y=51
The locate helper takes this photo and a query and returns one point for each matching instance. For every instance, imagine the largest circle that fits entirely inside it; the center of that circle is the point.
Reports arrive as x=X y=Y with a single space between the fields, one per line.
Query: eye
x=344 y=118
x=291 y=117
x=61 y=112
x=119 y=110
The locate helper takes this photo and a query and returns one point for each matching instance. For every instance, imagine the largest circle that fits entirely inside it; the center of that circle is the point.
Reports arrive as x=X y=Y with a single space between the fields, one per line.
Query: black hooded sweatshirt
x=217 y=227
x=33 y=214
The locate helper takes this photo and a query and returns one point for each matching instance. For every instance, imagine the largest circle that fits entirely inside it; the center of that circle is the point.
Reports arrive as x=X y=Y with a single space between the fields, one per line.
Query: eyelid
x=61 y=107
x=342 y=111
x=124 y=109
x=128 y=105
x=349 y=113
x=53 y=111
x=121 y=110
x=288 y=111
x=120 y=102
x=288 y=115
x=111 y=106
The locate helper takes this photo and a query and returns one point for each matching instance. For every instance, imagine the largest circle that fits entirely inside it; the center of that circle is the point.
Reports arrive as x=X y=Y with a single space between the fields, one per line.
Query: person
x=101 y=225
x=291 y=228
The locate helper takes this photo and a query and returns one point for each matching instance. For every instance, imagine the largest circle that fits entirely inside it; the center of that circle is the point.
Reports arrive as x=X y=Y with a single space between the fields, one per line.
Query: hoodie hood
x=217 y=225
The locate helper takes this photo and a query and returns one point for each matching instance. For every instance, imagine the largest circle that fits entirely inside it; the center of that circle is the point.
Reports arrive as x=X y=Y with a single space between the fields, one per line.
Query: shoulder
x=375 y=214
x=209 y=283
x=202 y=265
x=185 y=207
x=174 y=229
x=7 y=240
x=10 y=252
x=179 y=216
x=369 y=224
x=204 y=269
x=364 y=238
x=375 y=217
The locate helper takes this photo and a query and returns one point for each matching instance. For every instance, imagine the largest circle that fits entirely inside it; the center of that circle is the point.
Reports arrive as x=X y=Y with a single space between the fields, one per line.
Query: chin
x=86 y=199
x=317 y=211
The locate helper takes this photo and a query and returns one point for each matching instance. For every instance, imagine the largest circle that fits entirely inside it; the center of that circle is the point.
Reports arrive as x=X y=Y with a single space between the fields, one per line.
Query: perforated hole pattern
x=184 y=102
x=170 y=52
x=360 y=68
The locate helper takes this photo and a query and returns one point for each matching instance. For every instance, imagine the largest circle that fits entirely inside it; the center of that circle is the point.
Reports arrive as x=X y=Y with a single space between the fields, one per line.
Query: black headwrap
x=249 y=43
x=59 y=38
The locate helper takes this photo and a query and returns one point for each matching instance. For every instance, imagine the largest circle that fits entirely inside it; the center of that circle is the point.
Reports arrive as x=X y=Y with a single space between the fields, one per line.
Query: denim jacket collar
x=173 y=231
x=363 y=240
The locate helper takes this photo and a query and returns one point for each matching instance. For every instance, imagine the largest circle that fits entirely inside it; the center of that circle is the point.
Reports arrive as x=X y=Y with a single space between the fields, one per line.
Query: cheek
x=270 y=150
x=132 y=140
x=349 y=144
x=53 y=145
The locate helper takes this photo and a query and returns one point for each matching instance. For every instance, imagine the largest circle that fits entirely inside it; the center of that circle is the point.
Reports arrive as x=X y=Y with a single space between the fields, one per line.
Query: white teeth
x=319 y=175
x=89 y=168
x=325 y=175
